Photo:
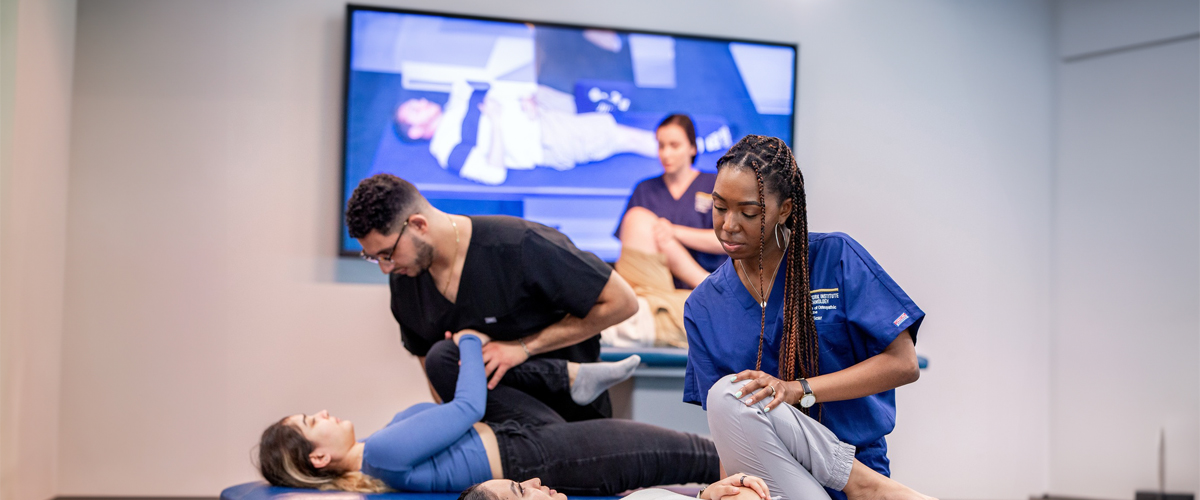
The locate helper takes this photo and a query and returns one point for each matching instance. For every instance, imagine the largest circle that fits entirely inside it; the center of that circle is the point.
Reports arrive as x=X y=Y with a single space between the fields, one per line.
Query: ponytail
x=283 y=461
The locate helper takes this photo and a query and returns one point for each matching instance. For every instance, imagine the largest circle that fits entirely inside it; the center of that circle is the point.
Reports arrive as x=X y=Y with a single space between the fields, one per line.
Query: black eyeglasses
x=375 y=260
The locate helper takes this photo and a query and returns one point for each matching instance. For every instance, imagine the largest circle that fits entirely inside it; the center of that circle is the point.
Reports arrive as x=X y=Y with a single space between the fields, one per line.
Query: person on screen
x=667 y=243
x=523 y=284
x=484 y=130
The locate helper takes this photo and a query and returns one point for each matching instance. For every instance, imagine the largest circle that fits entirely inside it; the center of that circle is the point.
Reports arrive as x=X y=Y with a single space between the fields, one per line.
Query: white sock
x=595 y=378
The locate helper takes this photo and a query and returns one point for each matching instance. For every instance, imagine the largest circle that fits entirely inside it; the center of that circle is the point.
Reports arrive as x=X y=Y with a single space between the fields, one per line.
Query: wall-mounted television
x=544 y=121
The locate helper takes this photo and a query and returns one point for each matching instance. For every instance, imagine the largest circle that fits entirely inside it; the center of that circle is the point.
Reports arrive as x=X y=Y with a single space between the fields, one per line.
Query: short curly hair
x=379 y=202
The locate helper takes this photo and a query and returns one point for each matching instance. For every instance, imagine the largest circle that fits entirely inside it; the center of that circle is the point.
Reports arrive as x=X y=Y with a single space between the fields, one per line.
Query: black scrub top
x=518 y=278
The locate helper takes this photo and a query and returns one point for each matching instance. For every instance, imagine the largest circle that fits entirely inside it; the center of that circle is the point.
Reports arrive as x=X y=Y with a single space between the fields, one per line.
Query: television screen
x=548 y=122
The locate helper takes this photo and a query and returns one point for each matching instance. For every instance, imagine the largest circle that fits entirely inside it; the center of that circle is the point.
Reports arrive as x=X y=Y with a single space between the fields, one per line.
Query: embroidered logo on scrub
x=703 y=202
x=903 y=316
x=824 y=299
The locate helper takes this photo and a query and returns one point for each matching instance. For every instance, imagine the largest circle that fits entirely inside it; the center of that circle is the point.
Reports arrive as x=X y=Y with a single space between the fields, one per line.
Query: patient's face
x=507 y=489
x=421 y=116
x=326 y=432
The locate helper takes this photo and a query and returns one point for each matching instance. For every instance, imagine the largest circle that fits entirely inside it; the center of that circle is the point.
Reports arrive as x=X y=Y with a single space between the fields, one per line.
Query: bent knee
x=442 y=356
x=721 y=397
x=638 y=220
x=640 y=213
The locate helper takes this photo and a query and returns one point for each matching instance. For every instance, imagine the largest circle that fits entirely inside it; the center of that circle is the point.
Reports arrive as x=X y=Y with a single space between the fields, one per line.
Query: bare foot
x=867 y=484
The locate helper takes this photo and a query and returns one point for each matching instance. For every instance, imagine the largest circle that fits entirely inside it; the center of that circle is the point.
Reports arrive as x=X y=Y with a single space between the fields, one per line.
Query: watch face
x=808 y=400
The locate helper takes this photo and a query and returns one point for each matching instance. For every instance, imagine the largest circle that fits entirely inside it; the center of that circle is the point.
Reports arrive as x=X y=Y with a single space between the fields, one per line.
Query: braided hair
x=776 y=170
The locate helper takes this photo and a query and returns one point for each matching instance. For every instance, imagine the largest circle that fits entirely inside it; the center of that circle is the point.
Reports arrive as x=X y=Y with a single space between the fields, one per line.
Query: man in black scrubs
x=523 y=284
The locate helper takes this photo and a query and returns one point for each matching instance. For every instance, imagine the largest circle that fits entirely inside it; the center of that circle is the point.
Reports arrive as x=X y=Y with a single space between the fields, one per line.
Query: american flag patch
x=903 y=316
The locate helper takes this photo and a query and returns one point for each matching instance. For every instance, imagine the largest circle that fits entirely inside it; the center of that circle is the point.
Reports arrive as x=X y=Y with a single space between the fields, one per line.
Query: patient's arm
x=425 y=429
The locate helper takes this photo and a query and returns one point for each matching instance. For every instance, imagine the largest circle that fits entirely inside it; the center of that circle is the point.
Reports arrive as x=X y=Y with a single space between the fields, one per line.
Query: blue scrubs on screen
x=692 y=209
x=858 y=311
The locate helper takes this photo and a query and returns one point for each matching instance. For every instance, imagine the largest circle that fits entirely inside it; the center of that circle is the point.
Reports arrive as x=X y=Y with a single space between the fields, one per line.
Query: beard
x=424 y=255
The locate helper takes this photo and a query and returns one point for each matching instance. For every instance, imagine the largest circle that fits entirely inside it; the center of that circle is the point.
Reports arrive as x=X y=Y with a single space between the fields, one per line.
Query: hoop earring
x=776 y=231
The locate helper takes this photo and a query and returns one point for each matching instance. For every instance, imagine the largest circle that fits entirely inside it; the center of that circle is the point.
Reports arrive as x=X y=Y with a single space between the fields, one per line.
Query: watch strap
x=807 y=389
x=808 y=399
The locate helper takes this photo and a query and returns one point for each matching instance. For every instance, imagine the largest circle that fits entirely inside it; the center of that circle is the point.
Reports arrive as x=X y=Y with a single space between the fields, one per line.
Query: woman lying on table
x=786 y=443
x=431 y=447
x=783 y=440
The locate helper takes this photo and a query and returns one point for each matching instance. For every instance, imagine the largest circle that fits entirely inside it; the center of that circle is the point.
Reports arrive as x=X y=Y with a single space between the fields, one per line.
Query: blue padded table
x=657 y=357
x=673 y=357
x=260 y=490
x=657 y=388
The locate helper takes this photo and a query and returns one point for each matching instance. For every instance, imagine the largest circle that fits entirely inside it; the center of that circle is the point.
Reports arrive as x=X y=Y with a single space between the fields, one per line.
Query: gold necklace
x=450 y=277
x=763 y=302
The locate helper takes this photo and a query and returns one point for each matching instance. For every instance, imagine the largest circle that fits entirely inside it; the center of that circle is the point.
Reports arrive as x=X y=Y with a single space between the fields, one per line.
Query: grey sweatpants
x=793 y=453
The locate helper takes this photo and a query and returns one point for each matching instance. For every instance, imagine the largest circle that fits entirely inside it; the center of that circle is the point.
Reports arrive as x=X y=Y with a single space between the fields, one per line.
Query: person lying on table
x=431 y=447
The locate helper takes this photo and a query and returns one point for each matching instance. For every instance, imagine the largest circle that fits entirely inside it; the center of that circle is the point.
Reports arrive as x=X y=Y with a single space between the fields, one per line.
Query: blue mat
x=260 y=490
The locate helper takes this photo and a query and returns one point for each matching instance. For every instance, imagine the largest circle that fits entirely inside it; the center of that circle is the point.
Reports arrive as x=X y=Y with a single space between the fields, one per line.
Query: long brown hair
x=776 y=170
x=283 y=461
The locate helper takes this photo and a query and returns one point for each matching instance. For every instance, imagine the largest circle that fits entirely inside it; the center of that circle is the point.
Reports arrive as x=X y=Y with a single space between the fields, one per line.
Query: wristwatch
x=807 y=400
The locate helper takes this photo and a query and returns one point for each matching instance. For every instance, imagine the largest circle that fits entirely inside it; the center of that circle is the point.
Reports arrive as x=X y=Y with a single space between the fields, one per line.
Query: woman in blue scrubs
x=805 y=321
x=667 y=246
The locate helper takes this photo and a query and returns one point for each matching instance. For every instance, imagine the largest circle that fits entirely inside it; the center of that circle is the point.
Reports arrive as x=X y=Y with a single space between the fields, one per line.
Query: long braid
x=787 y=342
x=799 y=288
x=799 y=346
x=762 y=237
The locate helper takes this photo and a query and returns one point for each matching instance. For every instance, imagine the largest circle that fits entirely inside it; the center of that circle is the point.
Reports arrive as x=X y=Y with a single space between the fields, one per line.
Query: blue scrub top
x=858 y=311
x=692 y=209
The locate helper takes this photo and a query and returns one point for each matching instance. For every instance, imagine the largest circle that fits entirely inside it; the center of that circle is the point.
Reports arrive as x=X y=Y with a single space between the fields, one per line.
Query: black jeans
x=601 y=456
x=539 y=380
x=605 y=456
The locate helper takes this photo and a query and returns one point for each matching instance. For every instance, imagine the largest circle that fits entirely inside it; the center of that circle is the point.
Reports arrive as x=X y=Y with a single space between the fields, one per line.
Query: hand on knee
x=721 y=397
x=664 y=233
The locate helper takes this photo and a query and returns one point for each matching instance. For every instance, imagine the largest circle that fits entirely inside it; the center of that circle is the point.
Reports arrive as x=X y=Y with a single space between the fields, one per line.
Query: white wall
x=204 y=193
x=924 y=132
x=37 y=60
x=200 y=299
x=1126 y=350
